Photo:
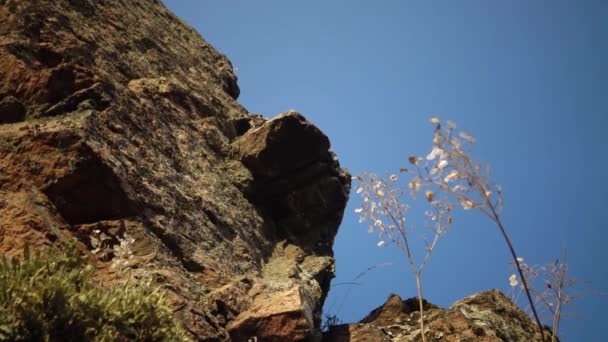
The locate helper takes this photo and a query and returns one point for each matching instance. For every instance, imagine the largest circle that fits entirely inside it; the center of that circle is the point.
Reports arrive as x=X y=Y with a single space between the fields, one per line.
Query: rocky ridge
x=487 y=316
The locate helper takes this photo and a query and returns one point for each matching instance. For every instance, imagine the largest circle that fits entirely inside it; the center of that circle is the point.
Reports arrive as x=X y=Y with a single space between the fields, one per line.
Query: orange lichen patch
x=26 y=217
x=454 y=327
x=41 y=85
x=17 y=77
x=154 y=85
x=33 y=157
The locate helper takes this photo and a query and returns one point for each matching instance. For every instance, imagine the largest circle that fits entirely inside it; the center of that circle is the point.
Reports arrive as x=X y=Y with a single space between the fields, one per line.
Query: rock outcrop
x=485 y=317
x=118 y=120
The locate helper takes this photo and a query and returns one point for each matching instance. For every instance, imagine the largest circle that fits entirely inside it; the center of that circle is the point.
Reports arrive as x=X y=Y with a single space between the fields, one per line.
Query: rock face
x=485 y=317
x=118 y=120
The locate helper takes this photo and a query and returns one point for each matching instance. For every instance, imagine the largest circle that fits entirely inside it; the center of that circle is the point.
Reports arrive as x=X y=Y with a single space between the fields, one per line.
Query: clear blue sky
x=528 y=78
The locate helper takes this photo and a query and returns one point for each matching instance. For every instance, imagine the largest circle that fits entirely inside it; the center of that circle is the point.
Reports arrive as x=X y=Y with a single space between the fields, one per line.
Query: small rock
x=286 y=317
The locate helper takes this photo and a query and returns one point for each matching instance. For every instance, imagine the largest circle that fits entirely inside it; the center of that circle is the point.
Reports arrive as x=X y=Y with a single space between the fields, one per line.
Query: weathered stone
x=282 y=145
x=357 y=332
x=231 y=299
x=124 y=122
x=395 y=309
x=302 y=188
x=285 y=317
x=488 y=316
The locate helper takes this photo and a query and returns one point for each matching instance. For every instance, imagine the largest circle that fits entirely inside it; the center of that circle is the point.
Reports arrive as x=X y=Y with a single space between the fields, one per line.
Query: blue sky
x=528 y=78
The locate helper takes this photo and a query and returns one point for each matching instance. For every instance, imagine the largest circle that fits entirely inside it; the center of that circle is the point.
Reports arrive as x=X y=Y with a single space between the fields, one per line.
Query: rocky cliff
x=118 y=120
x=119 y=127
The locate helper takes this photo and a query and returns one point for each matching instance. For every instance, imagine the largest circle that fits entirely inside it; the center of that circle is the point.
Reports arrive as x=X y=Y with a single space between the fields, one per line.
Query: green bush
x=50 y=296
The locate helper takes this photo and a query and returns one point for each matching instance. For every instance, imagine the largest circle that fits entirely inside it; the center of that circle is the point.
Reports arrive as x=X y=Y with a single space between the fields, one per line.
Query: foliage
x=50 y=296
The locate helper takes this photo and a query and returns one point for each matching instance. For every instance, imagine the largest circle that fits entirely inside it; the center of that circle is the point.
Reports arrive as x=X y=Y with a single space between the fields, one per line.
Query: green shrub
x=50 y=296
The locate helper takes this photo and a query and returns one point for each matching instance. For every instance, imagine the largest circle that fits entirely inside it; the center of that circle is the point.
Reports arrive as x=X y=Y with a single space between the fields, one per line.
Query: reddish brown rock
x=284 y=144
x=296 y=179
x=357 y=332
x=485 y=317
x=117 y=119
x=283 y=318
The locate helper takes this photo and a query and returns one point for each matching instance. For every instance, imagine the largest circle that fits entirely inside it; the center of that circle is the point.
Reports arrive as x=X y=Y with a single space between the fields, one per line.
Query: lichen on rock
x=117 y=118
x=486 y=316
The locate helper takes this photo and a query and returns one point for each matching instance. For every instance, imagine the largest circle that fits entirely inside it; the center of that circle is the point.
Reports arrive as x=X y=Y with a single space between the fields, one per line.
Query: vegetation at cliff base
x=50 y=296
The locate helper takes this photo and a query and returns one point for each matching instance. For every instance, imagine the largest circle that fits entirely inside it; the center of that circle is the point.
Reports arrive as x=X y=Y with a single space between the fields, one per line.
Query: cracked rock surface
x=117 y=119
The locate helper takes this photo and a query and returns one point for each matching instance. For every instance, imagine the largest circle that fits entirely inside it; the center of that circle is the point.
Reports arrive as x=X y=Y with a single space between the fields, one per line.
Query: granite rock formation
x=484 y=317
x=118 y=120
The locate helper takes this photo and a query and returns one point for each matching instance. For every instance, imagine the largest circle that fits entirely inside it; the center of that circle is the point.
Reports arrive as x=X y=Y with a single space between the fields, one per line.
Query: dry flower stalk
x=448 y=178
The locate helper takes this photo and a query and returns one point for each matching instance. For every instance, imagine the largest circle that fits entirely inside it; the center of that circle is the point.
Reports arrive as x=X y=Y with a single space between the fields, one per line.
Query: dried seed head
x=513 y=280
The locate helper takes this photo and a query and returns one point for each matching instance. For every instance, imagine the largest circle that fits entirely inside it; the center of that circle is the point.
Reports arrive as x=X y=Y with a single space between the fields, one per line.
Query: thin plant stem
x=496 y=218
x=556 y=317
x=420 y=304
x=560 y=296
x=402 y=241
x=521 y=274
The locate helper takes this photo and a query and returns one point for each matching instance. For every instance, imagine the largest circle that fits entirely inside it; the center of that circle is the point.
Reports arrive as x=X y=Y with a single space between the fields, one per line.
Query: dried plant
x=448 y=178
x=120 y=253
x=450 y=168
x=329 y=321
x=123 y=254
x=550 y=286
x=384 y=208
